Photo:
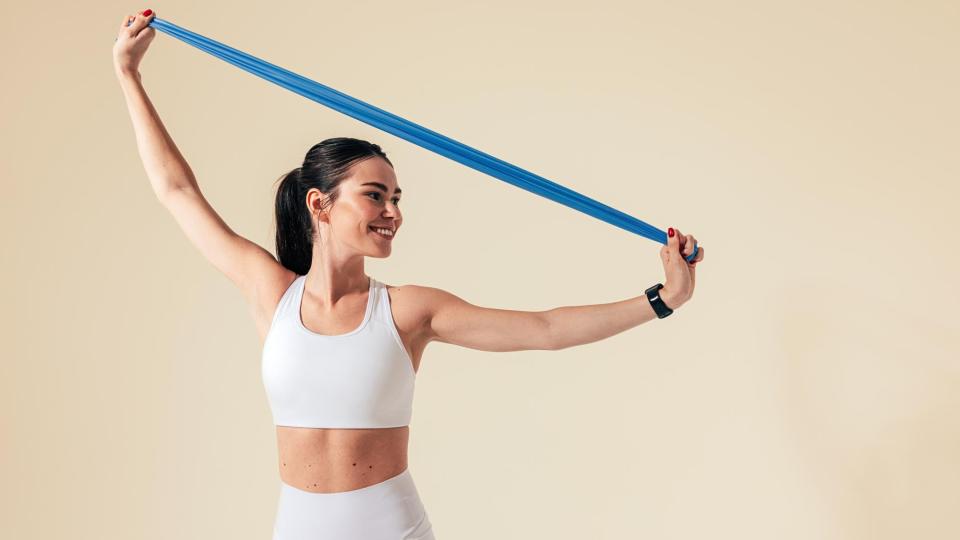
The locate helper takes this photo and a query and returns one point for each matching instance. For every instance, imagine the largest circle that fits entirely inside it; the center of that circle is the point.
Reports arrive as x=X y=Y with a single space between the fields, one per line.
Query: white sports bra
x=361 y=379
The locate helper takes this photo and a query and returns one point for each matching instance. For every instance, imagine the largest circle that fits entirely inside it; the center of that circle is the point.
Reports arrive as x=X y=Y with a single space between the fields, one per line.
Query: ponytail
x=294 y=239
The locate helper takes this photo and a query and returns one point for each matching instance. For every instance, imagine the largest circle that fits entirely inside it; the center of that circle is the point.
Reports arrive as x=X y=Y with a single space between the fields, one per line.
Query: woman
x=340 y=349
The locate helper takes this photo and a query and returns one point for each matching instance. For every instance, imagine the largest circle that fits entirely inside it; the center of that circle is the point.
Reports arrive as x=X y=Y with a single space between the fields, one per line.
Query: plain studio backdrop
x=808 y=390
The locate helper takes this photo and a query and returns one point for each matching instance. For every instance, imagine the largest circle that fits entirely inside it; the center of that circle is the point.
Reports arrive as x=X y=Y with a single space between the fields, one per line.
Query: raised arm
x=165 y=166
x=248 y=265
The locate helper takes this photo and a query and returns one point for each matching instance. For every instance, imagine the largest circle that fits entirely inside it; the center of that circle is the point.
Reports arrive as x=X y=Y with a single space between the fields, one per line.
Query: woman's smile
x=380 y=233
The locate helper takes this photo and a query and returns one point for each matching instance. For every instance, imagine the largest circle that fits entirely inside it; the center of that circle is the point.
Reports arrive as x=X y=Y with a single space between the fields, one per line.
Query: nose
x=393 y=209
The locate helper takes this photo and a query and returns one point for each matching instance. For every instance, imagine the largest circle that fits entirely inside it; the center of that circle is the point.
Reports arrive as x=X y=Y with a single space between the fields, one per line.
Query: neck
x=329 y=279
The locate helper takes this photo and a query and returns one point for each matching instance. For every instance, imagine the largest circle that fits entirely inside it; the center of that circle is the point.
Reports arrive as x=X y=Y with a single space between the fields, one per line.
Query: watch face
x=653 y=295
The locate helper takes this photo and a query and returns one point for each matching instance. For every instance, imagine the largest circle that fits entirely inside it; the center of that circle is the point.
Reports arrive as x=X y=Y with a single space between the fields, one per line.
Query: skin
x=325 y=460
x=334 y=301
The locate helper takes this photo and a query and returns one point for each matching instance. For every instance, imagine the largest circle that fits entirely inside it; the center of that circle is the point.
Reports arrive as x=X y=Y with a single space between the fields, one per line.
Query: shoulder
x=417 y=302
x=265 y=293
x=271 y=288
x=423 y=296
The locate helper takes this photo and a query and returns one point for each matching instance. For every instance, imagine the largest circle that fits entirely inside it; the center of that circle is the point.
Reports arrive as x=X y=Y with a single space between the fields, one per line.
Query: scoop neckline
x=363 y=323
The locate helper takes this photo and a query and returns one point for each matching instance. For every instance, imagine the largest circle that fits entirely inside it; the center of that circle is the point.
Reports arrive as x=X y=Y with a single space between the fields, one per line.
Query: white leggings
x=389 y=510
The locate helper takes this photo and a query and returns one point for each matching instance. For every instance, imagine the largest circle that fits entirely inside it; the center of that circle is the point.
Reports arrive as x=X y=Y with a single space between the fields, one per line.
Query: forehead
x=373 y=171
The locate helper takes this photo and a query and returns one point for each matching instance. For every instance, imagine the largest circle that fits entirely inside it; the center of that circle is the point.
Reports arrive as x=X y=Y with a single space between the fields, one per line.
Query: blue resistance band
x=415 y=133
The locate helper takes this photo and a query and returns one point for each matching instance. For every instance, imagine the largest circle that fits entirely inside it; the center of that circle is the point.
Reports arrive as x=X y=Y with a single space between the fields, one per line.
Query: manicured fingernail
x=148 y=12
x=670 y=232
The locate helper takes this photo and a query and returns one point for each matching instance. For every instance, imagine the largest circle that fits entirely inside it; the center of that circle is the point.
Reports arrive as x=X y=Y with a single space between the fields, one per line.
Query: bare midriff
x=325 y=460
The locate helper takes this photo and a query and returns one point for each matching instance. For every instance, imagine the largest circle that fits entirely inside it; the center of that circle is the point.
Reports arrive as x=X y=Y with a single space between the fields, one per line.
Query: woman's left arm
x=450 y=319
x=578 y=325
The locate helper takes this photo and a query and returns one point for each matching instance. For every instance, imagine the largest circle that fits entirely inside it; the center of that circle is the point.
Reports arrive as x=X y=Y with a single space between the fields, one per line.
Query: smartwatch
x=653 y=295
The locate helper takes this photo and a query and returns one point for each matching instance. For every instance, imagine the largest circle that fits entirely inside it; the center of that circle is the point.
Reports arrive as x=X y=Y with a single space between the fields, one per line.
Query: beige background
x=809 y=389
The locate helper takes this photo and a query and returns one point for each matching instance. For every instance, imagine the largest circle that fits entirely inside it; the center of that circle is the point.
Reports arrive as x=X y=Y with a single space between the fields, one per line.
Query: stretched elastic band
x=415 y=133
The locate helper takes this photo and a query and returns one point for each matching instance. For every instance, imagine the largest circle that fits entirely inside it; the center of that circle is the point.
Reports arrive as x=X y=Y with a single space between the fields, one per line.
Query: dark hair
x=325 y=166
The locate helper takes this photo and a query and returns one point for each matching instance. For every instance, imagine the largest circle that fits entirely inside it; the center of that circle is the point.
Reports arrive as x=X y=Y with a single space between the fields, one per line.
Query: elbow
x=551 y=342
x=164 y=192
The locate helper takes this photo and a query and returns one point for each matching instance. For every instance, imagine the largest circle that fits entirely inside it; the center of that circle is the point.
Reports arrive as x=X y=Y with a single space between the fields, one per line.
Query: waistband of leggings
x=403 y=479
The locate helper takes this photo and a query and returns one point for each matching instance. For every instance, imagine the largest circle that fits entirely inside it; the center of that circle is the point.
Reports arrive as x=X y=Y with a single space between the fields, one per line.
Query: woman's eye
x=396 y=200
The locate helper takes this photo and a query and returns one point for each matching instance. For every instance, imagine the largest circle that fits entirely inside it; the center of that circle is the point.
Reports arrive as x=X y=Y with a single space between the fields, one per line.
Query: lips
x=380 y=234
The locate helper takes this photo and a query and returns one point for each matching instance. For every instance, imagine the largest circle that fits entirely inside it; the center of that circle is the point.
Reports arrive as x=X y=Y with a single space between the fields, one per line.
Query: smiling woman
x=312 y=190
x=341 y=393
x=341 y=350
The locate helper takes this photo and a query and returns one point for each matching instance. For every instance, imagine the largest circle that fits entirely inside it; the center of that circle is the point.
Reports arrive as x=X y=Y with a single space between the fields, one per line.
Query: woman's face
x=369 y=198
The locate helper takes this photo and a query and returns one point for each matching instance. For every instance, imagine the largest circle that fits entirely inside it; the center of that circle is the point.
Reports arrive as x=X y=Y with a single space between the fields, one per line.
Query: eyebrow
x=381 y=186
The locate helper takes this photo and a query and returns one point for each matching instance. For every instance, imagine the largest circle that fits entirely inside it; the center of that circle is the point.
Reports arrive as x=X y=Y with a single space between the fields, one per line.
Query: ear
x=316 y=200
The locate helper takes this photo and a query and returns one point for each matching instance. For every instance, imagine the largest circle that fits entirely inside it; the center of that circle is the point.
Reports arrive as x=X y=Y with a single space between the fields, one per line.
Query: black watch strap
x=653 y=295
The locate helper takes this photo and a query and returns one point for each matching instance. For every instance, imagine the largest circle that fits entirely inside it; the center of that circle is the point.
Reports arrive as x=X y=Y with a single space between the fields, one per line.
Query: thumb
x=671 y=250
x=673 y=241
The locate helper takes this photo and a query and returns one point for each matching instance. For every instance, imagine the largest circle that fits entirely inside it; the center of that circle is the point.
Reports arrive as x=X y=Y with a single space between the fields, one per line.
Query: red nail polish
x=670 y=232
x=148 y=12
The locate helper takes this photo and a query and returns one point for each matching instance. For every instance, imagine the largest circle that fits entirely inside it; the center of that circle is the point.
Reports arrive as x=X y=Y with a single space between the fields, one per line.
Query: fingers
x=683 y=245
x=673 y=242
x=133 y=24
x=124 y=25
x=139 y=23
x=698 y=258
x=688 y=242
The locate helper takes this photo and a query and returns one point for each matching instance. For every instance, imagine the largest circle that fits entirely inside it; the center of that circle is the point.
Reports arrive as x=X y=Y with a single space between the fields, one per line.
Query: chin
x=381 y=253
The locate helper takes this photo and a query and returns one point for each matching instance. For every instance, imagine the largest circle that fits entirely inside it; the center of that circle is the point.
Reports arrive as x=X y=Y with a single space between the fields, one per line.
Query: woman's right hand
x=132 y=42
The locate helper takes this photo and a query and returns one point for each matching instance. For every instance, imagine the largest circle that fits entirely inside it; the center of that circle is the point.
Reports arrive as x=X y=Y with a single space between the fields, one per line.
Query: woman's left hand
x=681 y=276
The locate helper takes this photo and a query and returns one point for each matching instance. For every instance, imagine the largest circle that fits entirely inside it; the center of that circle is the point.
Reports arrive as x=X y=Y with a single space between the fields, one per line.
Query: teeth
x=385 y=232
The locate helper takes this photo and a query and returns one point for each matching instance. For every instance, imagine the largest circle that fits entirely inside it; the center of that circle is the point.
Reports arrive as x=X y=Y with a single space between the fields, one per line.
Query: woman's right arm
x=254 y=269
x=167 y=169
